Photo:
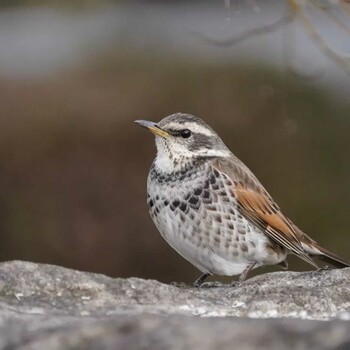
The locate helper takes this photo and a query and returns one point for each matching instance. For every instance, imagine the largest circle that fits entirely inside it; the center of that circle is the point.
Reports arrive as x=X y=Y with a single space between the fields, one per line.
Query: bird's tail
x=331 y=258
x=316 y=251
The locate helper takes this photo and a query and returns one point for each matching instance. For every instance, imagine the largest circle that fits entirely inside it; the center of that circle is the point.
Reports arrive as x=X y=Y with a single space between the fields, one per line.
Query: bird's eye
x=186 y=133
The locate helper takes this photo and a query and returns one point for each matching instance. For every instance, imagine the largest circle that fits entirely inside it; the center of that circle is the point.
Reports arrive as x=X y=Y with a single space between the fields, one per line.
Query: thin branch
x=296 y=10
x=228 y=9
x=345 y=6
x=248 y=34
x=339 y=59
x=334 y=18
x=289 y=58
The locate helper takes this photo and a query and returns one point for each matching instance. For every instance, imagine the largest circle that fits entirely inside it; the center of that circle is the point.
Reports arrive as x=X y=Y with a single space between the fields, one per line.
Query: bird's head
x=181 y=138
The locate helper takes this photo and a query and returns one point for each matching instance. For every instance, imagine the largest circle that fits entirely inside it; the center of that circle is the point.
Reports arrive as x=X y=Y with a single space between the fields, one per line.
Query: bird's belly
x=217 y=241
x=205 y=226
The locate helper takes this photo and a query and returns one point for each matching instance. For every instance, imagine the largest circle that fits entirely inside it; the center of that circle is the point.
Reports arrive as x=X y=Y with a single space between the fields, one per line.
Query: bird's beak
x=153 y=127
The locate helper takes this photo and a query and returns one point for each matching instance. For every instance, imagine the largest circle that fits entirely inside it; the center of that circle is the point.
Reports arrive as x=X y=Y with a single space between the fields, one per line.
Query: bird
x=211 y=208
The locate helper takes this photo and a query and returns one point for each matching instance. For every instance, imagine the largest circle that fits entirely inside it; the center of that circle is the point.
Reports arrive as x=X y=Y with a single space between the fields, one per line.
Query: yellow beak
x=153 y=128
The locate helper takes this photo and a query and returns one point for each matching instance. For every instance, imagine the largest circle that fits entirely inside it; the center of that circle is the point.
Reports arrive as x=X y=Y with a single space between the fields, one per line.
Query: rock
x=50 y=307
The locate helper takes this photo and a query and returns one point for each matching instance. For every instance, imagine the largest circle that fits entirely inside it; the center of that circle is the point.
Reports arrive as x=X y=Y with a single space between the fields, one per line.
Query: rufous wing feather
x=264 y=213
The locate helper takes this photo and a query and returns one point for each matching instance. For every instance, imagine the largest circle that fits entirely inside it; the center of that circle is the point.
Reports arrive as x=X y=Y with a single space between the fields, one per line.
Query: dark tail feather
x=331 y=258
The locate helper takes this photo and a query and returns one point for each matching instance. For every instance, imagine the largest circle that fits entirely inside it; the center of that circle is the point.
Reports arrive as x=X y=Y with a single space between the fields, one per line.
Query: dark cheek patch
x=200 y=141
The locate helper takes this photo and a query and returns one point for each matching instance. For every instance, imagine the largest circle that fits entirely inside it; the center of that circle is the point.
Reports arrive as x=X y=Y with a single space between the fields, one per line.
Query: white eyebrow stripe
x=216 y=153
x=196 y=128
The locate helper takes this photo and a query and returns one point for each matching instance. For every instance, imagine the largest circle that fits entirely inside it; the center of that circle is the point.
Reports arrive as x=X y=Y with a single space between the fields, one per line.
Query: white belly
x=208 y=232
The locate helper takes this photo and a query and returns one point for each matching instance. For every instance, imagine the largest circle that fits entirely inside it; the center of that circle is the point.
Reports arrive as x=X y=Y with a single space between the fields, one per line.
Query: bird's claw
x=180 y=285
x=219 y=284
x=324 y=268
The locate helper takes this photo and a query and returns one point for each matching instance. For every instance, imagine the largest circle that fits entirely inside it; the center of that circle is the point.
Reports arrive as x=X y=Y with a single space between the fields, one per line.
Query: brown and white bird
x=211 y=208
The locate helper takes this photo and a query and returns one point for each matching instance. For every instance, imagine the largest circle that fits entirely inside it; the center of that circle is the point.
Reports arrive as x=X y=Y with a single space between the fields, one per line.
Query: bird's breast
x=197 y=214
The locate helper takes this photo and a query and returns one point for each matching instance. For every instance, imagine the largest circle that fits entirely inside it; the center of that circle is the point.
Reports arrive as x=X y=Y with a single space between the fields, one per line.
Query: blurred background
x=271 y=77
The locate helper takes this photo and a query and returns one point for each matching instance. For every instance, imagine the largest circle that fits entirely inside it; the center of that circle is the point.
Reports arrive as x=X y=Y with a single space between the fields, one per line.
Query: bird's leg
x=243 y=276
x=283 y=264
x=199 y=281
x=201 y=284
x=245 y=273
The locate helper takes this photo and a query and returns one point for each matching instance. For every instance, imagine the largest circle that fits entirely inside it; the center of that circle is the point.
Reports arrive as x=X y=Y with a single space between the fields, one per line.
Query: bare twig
x=296 y=9
x=248 y=34
x=228 y=9
x=340 y=59
x=345 y=6
x=334 y=18
x=289 y=58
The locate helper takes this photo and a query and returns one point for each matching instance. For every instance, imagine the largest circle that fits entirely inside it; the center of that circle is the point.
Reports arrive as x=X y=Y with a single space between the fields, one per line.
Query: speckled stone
x=50 y=307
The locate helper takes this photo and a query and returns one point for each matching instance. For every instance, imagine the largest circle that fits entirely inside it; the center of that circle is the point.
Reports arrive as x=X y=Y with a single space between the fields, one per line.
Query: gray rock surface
x=50 y=307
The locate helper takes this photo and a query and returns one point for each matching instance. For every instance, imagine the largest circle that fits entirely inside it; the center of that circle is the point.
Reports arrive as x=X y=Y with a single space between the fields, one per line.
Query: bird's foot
x=199 y=281
x=324 y=268
x=235 y=284
x=215 y=284
x=198 y=285
x=180 y=285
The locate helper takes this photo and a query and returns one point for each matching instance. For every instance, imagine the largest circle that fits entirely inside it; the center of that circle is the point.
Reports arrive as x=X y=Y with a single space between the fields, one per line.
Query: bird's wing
x=257 y=206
